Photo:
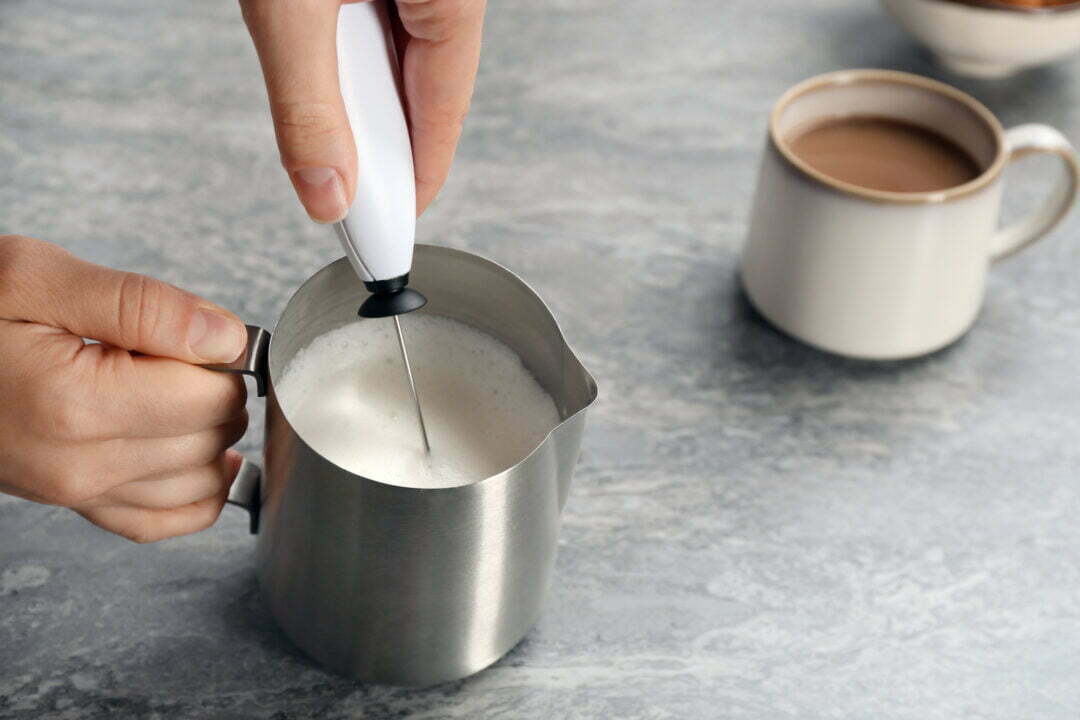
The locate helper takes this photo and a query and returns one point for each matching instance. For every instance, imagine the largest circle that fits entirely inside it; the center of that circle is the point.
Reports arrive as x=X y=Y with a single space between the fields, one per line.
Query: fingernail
x=215 y=337
x=323 y=193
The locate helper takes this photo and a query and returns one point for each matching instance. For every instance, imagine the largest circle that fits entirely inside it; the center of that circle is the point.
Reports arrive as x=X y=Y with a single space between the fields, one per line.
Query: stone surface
x=756 y=530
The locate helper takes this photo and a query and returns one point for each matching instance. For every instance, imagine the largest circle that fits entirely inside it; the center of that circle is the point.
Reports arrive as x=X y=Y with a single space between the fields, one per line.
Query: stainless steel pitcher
x=400 y=585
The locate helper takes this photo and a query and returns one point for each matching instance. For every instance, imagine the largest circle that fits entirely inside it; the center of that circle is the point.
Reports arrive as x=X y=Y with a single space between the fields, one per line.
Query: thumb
x=297 y=47
x=43 y=283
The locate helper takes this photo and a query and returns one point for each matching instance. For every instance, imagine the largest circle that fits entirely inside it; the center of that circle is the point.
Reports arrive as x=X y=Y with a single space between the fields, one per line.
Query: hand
x=128 y=433
x=439 y=43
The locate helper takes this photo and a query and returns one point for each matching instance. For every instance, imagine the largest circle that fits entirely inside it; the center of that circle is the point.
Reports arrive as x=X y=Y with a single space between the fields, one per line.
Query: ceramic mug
x=886 y=275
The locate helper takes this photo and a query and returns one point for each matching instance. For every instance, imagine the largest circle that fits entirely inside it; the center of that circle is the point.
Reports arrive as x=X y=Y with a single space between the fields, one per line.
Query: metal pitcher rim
x=593 y=390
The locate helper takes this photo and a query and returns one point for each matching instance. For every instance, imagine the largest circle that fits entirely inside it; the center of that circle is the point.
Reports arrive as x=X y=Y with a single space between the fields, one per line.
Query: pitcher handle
x=246 y=488
x=245 y=492
x=253 y=361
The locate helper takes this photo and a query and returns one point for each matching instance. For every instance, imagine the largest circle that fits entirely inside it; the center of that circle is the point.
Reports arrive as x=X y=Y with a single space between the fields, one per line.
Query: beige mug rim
x=850 y=77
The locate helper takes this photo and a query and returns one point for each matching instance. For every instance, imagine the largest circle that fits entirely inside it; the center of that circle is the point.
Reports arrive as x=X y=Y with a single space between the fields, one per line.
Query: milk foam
x=347 y=396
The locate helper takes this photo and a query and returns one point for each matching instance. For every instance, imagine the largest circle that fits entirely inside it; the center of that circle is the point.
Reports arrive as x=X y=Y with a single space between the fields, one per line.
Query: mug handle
x=246 y=488
x=1025 y=140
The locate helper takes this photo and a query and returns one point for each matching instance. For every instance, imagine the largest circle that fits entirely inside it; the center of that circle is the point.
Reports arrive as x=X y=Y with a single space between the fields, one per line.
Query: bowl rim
x=1072 y=6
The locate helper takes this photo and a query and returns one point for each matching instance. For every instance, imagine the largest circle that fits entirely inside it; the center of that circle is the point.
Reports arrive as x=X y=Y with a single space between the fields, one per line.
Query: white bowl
x=990 y=39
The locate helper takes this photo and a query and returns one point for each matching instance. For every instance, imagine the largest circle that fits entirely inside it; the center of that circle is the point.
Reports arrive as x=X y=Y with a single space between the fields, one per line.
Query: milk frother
x=379 y=231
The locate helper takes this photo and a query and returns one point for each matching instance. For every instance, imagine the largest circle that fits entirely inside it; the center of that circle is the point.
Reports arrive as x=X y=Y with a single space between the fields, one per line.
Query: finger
x=122 y=461
x=440 y=62
x=79 y=474
x=144 y=525
x=9 y=489
x=125 y=396
x=173 y=491
x=297 y=47
x=67 y=391
x=42 y=283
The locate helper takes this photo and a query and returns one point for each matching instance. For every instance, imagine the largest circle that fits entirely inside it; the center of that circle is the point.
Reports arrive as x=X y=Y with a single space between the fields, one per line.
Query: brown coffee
x=884 y=154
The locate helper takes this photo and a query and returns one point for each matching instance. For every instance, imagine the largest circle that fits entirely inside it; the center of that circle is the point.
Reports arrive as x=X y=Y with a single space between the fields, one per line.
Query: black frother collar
x=390 y=298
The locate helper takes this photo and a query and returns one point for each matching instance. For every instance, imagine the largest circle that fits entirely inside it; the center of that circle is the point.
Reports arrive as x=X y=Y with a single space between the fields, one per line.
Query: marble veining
x=756 y=530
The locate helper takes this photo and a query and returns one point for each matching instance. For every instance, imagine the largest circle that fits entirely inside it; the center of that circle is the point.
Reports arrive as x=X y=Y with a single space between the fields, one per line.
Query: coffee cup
x=881 y=272
x=409 y=585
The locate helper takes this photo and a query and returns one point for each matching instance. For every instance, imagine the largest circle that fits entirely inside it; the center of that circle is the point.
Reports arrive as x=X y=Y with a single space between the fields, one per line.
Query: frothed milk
x=347 y=396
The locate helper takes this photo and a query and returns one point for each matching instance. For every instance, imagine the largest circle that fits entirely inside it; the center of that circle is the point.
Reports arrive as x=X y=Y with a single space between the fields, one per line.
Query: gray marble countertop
x=756 y=530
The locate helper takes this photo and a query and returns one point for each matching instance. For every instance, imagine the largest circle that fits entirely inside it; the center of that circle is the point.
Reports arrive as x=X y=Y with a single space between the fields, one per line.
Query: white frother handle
x=379 y=231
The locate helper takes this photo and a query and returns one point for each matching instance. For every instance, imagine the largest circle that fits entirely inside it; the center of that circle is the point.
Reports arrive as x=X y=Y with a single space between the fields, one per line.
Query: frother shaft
x=412 y=384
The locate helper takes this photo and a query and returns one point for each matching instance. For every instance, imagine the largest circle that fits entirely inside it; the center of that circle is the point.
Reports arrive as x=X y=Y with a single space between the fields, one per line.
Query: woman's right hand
x=130 y=433
x=439 y=44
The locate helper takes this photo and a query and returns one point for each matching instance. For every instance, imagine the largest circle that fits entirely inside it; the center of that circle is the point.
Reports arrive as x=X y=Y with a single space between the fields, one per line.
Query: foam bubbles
x=347 y=396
